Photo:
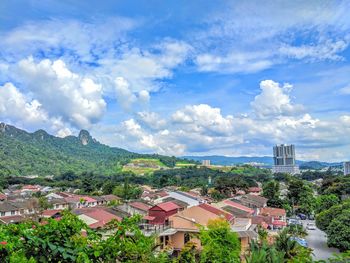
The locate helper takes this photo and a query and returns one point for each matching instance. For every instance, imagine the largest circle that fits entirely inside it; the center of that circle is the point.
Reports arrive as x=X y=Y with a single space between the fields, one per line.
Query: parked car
x=300 y=241
x=311 y=226
x=294 y=221
x=302 y=216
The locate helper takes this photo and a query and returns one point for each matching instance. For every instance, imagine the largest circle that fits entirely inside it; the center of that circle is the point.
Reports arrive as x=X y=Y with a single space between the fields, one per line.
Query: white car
x=310 y=226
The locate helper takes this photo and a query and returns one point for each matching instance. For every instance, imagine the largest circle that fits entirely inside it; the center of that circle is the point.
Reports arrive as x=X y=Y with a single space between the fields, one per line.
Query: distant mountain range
x=39 y=153
x=265 y=160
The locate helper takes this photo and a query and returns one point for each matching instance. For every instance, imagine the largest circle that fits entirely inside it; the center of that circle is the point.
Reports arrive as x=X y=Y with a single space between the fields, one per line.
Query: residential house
x=182 y=197
x=58 y=203
x=15 y=219
x=255 y=190
x=278 y=216
x=161 y=212
x=134 y=208
x=53 y=213
x=188 y=221
x=8 y=209
x=236 y=209
x=3 y=197
x=110 y=198
x=252 y=201
x=96 y=217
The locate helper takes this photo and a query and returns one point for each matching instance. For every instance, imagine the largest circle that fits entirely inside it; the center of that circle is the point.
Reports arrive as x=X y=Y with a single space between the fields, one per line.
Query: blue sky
x=181 y=77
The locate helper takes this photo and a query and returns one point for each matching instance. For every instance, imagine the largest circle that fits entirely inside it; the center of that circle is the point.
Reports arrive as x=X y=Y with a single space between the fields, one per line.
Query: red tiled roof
x=75 y=199
x=271 y=211
x=239 y=206
x=149 y=218
x=216 y=211
x=279 y=223
x=88 y=198
x=168 y=206
x=50 y=213
x=139 y=205
x=12 y=219
x=259 y=220
x=3 y=196
x=162 y=194
x=103 y=217
x=29 y=186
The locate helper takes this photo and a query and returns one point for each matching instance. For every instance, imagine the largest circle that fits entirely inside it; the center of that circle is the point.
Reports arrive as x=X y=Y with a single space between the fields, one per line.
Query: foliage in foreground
x=70 y=240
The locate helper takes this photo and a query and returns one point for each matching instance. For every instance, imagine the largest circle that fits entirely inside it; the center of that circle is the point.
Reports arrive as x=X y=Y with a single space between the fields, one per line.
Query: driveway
x=317 y=240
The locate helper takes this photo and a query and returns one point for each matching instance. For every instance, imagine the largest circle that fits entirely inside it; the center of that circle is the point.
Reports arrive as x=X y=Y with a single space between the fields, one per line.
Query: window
x=186 y=238
x=2 y=214
x=13 y=213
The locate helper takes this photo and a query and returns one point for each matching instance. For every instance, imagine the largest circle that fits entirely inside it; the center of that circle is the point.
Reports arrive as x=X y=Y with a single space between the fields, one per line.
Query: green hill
x=39 y=153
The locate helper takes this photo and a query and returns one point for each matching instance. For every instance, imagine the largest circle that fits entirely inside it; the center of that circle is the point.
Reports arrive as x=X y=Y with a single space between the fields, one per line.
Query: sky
x=181 y=77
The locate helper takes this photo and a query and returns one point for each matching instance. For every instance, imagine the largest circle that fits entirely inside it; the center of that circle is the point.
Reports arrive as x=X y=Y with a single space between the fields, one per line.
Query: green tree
x=220 y=244
x=338 y=231
x=271 y=190
x=188 y=254
x=264 y=253
x=324 y=202
x=293 y=252
x=44 y=204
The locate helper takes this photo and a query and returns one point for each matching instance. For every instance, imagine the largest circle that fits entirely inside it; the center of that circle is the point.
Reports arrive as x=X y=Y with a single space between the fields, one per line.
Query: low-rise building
x=161 y=212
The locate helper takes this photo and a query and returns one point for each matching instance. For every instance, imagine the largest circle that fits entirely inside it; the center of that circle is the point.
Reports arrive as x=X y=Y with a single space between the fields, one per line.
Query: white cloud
x=143 y=70
x=345 y=90
x=151 y=120
x=17 y=107
x=247 y=37
x=71 y=39
x=234 y=63
x=203 y=118
x=328 y=50
x=274 y=100
x=76 y=99
x=203 y=129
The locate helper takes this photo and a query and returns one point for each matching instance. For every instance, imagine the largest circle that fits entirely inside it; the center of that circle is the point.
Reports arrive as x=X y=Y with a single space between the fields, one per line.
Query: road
x=317 y=240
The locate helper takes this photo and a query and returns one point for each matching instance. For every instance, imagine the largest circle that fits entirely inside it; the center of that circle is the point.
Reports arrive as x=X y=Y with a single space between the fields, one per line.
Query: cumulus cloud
x=16 y=107
x=21 y=110
x=144 y=69
x=152 y=120
x=76 y=99
x=198 y=129
x=203 y=118
x=274 y=100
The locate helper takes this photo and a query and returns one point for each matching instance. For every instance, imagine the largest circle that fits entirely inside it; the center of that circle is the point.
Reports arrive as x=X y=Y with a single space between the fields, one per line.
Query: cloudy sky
x=181 y=77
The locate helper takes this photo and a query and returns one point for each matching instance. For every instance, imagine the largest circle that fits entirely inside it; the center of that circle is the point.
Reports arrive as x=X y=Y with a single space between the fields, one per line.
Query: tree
x=271 y=190
x=293 y=252
x=338 y=231
x=44 y=204
x=324 y=218
x=264 y=253
x=301 y=194
x=228 y=185
x=220 y=244
x=324 y=202
x=127 y=191
x=188 y=254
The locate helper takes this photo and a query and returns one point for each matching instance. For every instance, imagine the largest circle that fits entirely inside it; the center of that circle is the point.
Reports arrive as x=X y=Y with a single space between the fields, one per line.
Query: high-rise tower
x=284 y=159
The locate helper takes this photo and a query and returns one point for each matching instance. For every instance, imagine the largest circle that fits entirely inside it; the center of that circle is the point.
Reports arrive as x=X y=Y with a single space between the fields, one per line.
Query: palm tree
x=264 y=253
